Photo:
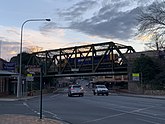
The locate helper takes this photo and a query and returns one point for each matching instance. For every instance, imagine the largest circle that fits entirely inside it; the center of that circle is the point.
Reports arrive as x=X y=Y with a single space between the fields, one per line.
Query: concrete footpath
x=22 y=119
x=14 y=98
x=143 y=96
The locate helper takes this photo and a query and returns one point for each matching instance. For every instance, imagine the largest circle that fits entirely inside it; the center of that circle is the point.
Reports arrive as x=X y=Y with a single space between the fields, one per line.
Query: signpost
x=41 y=71
x=75 y=69
x=33 y=69
x=36 y=69
x=29 y=77
x=135 y=76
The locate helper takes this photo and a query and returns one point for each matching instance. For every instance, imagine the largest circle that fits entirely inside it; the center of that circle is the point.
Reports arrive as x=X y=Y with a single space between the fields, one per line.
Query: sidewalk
x=22 y=119
x=14 y=98
x=143 y=96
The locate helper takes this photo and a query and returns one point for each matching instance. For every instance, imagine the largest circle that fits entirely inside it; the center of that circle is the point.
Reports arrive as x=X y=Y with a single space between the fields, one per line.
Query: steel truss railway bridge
x=87 y=60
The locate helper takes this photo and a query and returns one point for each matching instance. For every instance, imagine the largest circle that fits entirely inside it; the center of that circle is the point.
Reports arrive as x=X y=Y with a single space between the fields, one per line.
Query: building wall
x=4 y=86
x=4 y=81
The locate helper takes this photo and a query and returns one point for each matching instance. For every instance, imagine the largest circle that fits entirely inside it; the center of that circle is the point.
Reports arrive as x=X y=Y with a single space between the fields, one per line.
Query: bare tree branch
x=152 y=21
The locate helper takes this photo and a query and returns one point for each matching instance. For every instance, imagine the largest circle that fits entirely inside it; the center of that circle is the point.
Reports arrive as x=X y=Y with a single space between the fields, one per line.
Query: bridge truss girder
x=94 y=59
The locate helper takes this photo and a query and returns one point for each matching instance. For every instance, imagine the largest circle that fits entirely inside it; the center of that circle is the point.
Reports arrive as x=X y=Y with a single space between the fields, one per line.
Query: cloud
x=98 y=21
x=111 y=21
x=117 y=25
x=77 y=10
x=48 y=26
x=10 y=40
x=82 y=22
x=104 y=18
x=8 y=49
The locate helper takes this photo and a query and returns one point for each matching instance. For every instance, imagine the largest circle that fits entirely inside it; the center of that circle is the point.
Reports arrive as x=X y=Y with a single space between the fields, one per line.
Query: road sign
x=9 y=65
x=135 y=76
x=75 y=69
x=33 y=68
x=29 y=77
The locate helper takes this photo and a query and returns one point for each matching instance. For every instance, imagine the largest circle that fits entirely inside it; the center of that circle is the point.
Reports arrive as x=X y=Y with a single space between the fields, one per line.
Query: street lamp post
x=20 y=62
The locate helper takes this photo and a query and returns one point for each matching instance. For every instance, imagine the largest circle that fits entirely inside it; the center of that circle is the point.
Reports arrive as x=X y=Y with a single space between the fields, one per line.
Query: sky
x=73 y=23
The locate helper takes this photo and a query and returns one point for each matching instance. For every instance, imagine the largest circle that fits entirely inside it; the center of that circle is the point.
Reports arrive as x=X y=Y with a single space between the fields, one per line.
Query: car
x=100 y=89
x=75 y=90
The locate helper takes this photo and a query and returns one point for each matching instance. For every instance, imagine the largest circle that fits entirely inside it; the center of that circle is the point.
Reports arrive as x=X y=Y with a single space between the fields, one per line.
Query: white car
x=100 y=89
x=75 y=90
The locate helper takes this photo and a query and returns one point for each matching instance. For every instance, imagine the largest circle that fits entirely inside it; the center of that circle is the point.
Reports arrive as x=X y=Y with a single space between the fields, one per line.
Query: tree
x=25 y=60
x=160 y=76
x=32 y=49
x=152 y=70
x=152 y=23
x=146 y=66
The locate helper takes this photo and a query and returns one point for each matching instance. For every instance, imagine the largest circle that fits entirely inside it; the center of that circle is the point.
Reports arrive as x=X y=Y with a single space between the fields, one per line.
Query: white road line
x=24 y=103
x=38 y=113
x=54 y=96
x=121 y=106
x=126 y=112
x=53 y=114
x=111 y=116
x=144 y=120
x=137 y=112
x=99 y=119
x=149 y=113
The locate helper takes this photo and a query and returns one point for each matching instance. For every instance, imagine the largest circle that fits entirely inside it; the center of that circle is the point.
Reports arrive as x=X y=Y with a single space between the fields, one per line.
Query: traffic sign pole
x=41 y=92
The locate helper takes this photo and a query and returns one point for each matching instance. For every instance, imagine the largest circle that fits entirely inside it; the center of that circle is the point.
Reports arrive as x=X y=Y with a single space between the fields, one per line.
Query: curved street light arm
x=20 y=62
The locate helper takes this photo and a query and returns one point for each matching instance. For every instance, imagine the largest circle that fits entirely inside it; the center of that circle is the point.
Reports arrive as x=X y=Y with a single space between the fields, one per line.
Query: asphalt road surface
x=90 y=109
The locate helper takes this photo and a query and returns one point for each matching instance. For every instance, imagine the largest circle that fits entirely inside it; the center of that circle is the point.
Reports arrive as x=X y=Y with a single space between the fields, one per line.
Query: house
x=8 y=80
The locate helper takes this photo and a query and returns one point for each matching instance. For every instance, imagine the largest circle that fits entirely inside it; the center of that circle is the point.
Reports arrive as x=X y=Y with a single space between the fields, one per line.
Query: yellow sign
x=135 y=75
x=29 y=75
